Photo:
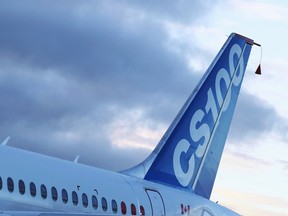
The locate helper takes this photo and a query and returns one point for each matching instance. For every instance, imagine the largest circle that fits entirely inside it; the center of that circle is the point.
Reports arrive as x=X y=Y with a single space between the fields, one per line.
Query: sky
x=104 y=79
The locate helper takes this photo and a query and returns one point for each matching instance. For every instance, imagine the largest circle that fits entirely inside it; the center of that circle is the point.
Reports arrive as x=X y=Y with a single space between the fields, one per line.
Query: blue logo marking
x=200 y=131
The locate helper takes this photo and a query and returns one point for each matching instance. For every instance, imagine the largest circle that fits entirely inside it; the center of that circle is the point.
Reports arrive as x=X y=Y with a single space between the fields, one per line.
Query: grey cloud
x=60 y=77
x=68 y=70
x=183 y=11
x=85 y=51
x=253 y=118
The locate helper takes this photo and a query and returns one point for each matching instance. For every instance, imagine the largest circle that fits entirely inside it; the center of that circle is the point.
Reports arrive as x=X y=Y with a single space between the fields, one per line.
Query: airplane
x=177 y=178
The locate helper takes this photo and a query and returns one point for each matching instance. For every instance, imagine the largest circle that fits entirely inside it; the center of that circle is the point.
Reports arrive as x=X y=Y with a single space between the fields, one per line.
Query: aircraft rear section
x=188 y=155
x=176 y=179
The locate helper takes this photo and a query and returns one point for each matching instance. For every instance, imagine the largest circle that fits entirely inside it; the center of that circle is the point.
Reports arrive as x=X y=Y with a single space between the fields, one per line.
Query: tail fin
x=189 y=153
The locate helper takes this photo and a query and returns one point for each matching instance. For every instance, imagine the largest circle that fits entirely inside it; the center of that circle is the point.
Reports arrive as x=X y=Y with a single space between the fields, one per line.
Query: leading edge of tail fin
x=189 y=153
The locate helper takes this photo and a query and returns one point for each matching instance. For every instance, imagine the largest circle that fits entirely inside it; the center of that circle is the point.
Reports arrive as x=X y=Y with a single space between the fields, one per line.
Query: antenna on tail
x=258 y=70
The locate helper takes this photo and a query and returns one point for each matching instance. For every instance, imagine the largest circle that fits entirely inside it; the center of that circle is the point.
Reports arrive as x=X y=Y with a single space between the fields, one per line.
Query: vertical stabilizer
x=189 y=153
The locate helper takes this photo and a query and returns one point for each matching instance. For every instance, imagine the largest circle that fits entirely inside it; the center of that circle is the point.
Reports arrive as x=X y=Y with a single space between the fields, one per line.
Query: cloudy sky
x=104 y=79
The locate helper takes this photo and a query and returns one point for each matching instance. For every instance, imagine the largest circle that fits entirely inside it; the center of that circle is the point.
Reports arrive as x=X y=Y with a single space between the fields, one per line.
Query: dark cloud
x=97 y=50
x=183 y=11
x=254 y=118
x=68 y=70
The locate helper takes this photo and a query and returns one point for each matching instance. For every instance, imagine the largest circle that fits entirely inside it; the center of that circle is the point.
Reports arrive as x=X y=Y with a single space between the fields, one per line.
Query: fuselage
x=64 y=186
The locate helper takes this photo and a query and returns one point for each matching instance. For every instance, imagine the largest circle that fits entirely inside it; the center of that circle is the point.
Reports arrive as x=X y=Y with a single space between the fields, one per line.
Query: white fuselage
x=34 y=182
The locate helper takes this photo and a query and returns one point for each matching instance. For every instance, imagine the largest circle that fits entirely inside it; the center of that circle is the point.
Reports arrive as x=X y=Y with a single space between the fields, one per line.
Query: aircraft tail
x=189 y=153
